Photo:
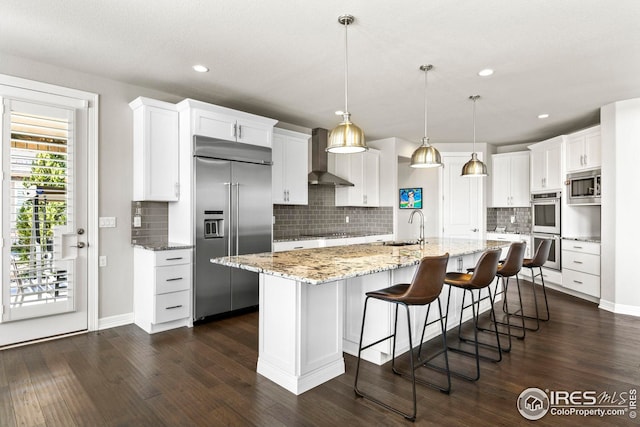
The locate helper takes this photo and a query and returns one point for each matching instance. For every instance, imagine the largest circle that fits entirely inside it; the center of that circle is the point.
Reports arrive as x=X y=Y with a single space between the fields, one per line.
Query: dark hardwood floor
x=206 y=376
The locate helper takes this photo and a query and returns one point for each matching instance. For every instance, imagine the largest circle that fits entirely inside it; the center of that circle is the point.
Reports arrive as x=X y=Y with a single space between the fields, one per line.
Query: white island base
x=300 y=339
x=311 y=304
x=305 y=328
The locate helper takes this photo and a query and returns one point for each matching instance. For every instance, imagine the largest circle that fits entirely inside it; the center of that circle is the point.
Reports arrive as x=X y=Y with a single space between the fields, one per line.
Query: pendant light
x=346 y=137
x=474 y=167
x=425 y=156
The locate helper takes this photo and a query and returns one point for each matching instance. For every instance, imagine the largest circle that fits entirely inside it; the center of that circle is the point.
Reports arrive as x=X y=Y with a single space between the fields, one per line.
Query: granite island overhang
x=311 y=301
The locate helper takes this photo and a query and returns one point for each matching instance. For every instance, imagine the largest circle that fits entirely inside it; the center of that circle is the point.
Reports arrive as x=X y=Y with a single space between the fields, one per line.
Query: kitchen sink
x=396 y=243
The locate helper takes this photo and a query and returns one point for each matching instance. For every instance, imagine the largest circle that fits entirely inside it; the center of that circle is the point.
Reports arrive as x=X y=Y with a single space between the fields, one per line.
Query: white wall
x=620 y=133
x=115 y=170
x=429 y=180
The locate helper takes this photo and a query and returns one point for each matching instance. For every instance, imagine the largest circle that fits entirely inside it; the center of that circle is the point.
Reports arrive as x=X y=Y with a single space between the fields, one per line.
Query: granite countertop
x=592 y=239
x=162 y=246
x=321 y=265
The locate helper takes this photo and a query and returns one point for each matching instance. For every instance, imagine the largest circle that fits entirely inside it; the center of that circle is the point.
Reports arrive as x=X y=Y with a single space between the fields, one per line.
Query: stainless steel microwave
x=583 y=188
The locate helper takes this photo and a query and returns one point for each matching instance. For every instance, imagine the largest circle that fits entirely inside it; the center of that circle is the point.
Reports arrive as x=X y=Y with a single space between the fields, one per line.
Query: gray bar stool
x=482 y=276
x=423 y=290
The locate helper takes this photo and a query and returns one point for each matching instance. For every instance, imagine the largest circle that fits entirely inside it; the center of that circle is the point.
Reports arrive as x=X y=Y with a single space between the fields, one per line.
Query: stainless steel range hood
x=319 y=157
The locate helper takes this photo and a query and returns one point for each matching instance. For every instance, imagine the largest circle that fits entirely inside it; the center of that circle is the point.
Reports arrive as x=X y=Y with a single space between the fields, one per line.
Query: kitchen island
x=311 y=303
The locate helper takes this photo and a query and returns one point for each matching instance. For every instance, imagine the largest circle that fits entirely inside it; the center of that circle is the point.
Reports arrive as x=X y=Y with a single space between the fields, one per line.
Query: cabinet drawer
x=173 y=278
x=581 y=282
x=585 y=263
x=171 y=306
x=583 y=247
x=173 y=257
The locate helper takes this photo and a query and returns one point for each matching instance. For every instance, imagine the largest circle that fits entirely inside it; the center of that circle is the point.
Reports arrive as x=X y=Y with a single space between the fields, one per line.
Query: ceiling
x=285 y=59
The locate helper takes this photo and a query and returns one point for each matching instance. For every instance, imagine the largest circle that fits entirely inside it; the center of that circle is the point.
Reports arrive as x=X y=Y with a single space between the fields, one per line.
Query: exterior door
x=462 y=199
x=44 y=216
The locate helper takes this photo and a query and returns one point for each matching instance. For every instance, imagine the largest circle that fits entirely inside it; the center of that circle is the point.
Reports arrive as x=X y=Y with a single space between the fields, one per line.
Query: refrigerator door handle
x=229 y=185
x=237 y=184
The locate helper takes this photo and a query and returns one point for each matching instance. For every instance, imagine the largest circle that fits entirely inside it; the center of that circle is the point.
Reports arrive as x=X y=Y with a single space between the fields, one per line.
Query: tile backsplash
x=154 y=223
x=501 y=217
x=321 y=215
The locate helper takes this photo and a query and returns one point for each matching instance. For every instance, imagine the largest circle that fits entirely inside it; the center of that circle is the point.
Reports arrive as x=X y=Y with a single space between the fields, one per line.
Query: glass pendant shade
x=426 y=156
x=346 y=138
x=474 y=167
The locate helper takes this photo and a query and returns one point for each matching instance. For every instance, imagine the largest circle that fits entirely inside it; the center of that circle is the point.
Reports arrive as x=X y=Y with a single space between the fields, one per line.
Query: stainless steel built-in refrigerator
x=234 y=210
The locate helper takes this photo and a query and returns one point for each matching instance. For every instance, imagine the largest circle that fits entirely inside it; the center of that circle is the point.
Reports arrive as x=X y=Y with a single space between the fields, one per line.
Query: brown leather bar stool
x=482 y=276
x=508 y=268
x=423 y=290
x=538 y=260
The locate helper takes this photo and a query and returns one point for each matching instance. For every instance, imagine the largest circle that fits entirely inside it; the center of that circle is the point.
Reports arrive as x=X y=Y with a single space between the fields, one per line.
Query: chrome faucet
x=421 y=239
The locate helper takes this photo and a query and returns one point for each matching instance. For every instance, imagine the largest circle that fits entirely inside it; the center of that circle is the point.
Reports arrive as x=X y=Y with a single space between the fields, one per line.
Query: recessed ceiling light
x=543 y=116
x=486 y=72
x=200 y=68
x=339 y=113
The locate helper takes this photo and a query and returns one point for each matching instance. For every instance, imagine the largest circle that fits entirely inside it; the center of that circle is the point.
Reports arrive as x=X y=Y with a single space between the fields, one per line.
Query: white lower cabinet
x=295 y=244
x=162 y=289
x=512 y=237
x=581 y=267
x=322 y=243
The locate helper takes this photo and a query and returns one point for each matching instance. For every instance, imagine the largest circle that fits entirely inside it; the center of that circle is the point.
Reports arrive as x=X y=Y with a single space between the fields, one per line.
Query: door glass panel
x=40 y=210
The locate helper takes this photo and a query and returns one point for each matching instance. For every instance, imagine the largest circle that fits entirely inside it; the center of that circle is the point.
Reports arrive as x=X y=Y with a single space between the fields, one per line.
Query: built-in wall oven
x=553 y=260
x=545 y=219
x=545 y=212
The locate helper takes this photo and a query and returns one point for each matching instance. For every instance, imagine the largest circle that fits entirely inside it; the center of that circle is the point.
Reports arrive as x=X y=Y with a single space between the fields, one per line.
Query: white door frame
x=91 y=100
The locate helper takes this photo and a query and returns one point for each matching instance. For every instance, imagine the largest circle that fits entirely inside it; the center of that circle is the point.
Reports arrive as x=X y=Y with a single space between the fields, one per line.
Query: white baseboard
x=631 y=310
x=571 y=292
x=114 y=321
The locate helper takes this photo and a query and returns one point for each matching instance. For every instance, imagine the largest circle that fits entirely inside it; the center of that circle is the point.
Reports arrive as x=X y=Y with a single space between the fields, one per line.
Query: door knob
x=80 y=245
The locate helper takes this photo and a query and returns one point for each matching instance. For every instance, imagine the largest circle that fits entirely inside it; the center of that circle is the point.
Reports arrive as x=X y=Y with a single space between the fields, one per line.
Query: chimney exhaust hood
x=319 y=161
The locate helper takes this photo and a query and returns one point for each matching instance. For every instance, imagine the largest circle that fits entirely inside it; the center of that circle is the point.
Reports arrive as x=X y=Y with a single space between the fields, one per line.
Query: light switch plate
x=107 y=222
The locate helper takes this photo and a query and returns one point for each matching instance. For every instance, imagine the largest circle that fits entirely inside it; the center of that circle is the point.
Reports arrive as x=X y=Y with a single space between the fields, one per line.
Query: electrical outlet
x=346 y=219
x=513 y=219
x=102 y=260
x=137 y=221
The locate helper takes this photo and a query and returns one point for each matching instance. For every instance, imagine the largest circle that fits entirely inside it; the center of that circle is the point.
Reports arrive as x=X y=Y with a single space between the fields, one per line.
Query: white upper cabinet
x=289 y=174
x=362 y=170
x=227 y=124
x=583 y=150
x=546 y=165
x=510 y=179
x=155 y=150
